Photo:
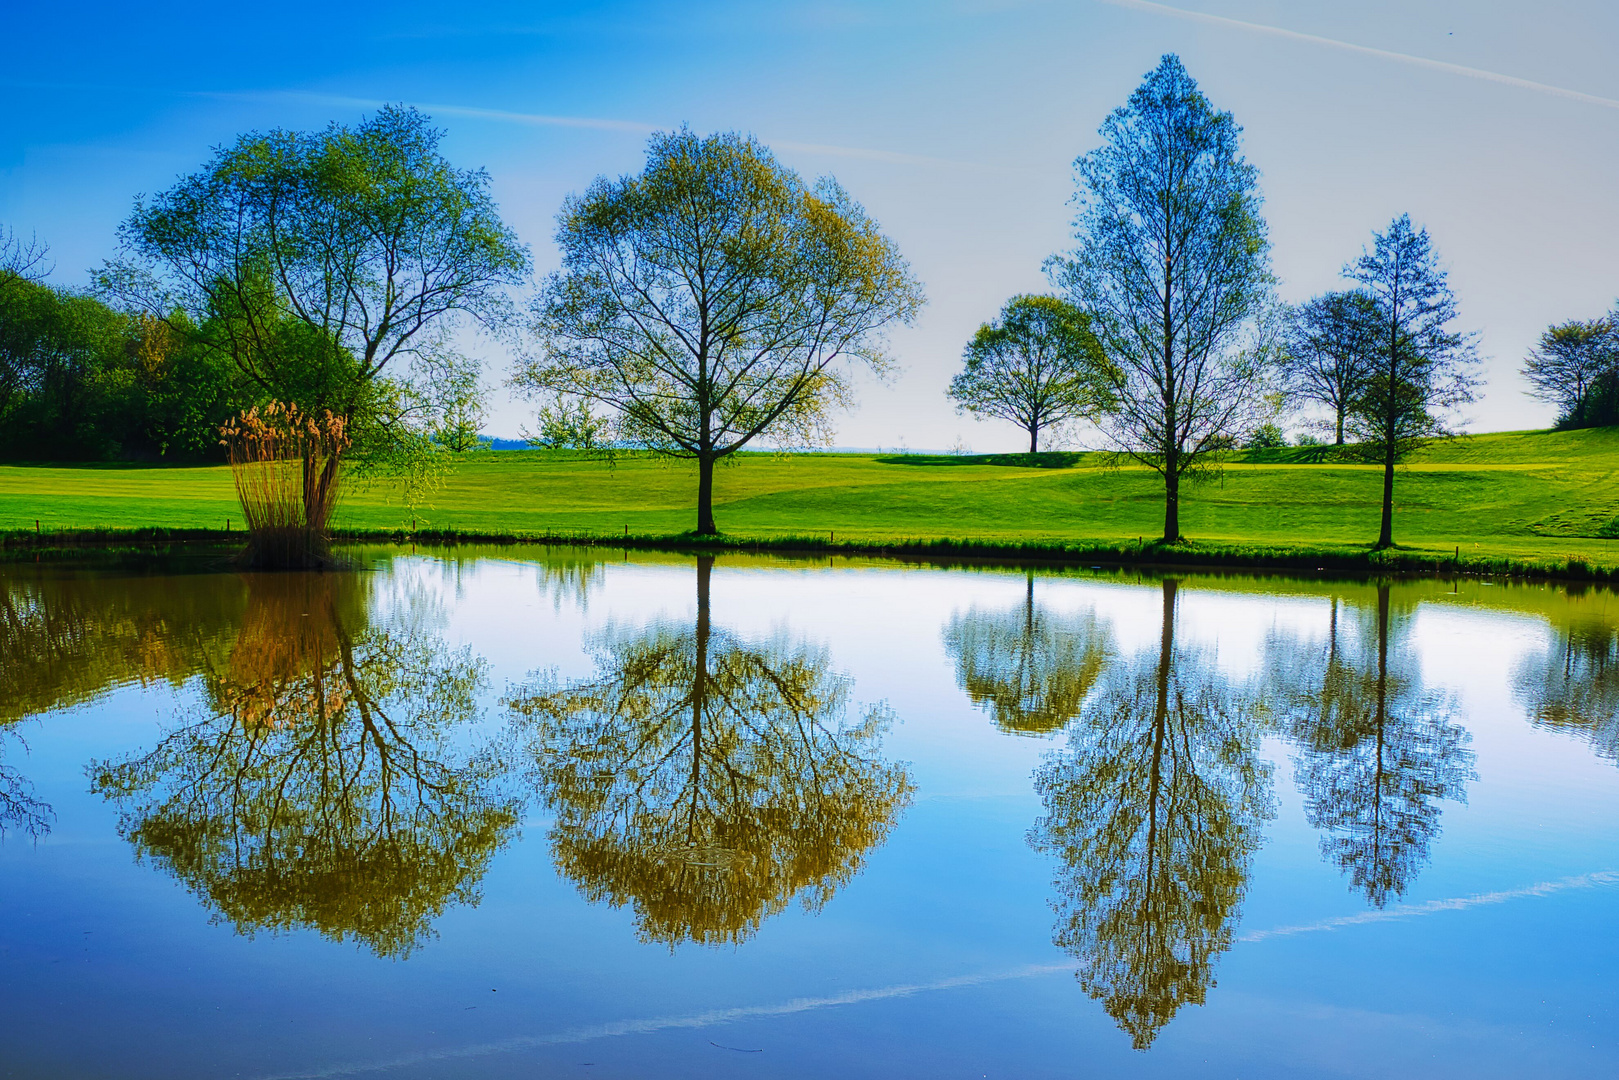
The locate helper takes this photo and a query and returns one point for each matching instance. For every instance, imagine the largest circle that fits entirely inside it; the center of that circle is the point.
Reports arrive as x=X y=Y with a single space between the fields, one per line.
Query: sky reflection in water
x=482 y=814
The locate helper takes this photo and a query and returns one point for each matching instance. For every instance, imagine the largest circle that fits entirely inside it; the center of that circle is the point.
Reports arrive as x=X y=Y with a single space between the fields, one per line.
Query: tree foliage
x=1376 y=751
x=706 y=781
x=1153 y=812
x=330 y=785
x=1038 y=366
x=332 y=269
x=1420 y=368
x=1173 y=268
x=1029 y=668
x=713 y=299
x=1327 y=352
x=1575 y=366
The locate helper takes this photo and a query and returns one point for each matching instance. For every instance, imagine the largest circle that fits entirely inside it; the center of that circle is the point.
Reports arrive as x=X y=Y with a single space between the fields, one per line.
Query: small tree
x=1420 y=366
x=1173 y=267
x=1328 y=347
x=1575 y=366
x=332 y=268
x=715 y=299
x=1038 y=366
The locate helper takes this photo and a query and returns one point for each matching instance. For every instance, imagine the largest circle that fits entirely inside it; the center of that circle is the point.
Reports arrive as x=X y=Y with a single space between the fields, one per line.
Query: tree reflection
x=1153 y=810
x=1029 y=669
x=707 y=781
x=1574 y=685
x=1377 y=752
x=326 y=787
x=20 y=811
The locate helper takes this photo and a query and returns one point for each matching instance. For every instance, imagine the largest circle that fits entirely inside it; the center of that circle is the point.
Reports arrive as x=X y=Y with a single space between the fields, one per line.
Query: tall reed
x=286 y=464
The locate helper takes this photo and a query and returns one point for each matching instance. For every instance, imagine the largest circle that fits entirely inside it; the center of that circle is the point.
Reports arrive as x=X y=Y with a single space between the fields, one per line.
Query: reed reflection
x=1573 y=686
x=328 y=785
x=1377 y=751
x=1028 y=668
x=1153 y=811
x=706 y=781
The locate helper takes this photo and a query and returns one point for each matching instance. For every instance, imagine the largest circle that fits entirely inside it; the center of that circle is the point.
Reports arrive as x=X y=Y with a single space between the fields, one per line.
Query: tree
x=1420 y=367
x=1173 y=268
x=1328 y=347
x=1575 y=366
x=1153 y=812
x=1573 y=686
x=21 y=260
x=1029 y=669
x=715 y=299
x=1377 y=752
x=331 y=784
x=707 y=781
x=1038 y=366
x=332 y=268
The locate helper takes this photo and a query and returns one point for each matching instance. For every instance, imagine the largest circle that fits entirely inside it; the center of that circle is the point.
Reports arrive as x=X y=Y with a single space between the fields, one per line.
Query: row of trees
x=717 y=298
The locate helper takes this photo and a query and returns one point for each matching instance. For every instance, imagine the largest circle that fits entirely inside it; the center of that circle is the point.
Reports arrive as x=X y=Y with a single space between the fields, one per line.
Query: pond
x=561 y=812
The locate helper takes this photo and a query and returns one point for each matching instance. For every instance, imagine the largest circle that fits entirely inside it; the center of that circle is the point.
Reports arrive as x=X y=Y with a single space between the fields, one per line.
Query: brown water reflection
x=321 y=785
x=706 y=781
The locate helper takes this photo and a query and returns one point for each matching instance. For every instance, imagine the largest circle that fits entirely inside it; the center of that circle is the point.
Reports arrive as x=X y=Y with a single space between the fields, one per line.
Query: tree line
x=716 y=300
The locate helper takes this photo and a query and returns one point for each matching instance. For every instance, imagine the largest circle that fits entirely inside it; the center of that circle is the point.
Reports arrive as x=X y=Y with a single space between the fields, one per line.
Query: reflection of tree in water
x=20 y=811
x=326 y=787
x=1376 y=750
x=1574 y=685
x=707 y=781
x=1153 y=812
x=1026 y=667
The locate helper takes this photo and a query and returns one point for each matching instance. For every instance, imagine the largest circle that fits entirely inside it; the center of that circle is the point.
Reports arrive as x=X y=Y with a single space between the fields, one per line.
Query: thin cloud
x=1432 y=907
x=1366 y=50
x=602 y=124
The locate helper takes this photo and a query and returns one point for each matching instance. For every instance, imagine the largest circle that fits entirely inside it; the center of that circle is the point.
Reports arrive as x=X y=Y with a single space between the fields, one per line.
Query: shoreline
x=1199 y=556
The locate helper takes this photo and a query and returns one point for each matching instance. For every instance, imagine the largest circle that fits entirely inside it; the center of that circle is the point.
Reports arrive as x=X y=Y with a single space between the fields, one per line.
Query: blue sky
x=956 y=124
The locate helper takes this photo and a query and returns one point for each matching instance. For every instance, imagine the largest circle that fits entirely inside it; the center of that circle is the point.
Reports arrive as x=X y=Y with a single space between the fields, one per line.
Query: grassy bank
x=1539 y=501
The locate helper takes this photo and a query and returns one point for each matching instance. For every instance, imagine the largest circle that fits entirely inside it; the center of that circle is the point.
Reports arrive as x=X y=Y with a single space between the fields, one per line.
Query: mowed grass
x=1517 y=495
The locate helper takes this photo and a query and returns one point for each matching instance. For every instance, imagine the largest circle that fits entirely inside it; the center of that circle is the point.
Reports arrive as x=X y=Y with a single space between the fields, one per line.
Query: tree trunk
x=1172 y=504
x=1340 y=439
x=699 y=686
x=1034 y=438
x=1385 y=533
x=705 y=496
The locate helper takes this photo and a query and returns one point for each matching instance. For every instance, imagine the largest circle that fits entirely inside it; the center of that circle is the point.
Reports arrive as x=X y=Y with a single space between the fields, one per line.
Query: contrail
x=1366 y=50
x=855 y=997
x=666 y=1023
x=603 y=124
x=1458 y=903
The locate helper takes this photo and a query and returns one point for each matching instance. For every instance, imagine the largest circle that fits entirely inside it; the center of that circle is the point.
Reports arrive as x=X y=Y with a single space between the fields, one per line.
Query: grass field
x=1517 y=496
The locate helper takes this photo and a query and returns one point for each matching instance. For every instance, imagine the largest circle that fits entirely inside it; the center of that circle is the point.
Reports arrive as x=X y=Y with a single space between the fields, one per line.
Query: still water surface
x=537 y=813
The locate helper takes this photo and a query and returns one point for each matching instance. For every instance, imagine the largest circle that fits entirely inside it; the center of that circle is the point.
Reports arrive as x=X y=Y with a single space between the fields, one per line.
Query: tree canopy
x=332 y=268
x=1420 y=367
x=1173 y=268
x=714 y=299
x=1327 y=351
x=1575 y=366
x=1038 y=365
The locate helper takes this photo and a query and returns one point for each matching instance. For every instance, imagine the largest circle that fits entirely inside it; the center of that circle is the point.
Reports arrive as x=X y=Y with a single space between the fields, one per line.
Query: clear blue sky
x=955 y=123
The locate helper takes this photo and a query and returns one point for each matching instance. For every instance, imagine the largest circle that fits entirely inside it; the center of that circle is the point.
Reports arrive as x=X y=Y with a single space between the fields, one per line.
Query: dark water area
x=553 y=812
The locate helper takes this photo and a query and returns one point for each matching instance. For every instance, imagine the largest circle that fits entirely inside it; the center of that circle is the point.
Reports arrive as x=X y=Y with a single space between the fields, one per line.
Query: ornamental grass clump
x=286 y=466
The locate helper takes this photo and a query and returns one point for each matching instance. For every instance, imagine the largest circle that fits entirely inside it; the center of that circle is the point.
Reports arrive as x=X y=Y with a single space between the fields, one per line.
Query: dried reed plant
x=286 y=466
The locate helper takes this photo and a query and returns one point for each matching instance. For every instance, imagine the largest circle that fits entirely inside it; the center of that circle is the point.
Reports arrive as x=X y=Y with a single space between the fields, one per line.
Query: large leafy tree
x=1420 y=368
x=715 y=299
x=1153 y=812
x=706 y=781
x=1038 y=365
x=1377 y=751
x=1029 y=668
x=1575 y=366
x=334 y=782
x=1573 y=685
x=333 y=269
x=1173 y=268
x=1328 y=347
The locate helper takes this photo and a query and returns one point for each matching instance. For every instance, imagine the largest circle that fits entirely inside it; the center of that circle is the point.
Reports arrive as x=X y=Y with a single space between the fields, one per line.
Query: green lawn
x=1518 y=495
